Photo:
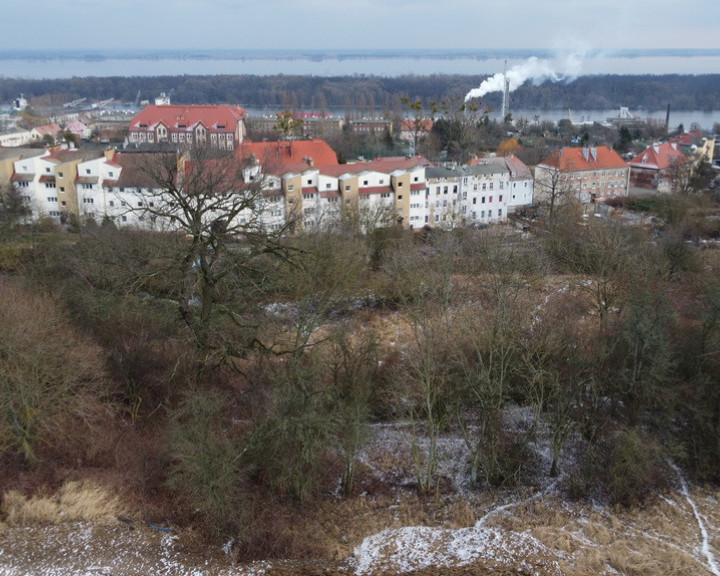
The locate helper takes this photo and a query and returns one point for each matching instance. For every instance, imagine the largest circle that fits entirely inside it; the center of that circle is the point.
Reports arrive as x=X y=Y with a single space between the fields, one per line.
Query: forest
x=230 y=381
x=378 y=94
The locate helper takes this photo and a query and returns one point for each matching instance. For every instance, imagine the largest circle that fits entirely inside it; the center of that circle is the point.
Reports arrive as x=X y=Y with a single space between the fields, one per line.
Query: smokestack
x=506 y=91
x=667 y=120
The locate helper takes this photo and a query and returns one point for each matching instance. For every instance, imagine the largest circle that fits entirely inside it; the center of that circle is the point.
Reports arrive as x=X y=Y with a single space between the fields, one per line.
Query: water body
x=31 y=64
x=67 y=64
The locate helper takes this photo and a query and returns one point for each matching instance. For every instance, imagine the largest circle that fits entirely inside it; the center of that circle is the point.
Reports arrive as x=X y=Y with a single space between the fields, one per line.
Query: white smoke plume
x=534 y=69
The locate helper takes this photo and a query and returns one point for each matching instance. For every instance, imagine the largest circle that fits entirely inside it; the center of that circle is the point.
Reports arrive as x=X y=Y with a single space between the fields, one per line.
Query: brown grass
x=74 y=501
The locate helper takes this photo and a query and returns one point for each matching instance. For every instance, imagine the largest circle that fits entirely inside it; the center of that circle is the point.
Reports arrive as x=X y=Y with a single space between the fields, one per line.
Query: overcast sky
x=358 y=24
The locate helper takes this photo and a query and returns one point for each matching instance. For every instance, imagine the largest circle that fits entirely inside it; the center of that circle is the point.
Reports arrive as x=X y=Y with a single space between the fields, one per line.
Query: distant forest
x=376 y=94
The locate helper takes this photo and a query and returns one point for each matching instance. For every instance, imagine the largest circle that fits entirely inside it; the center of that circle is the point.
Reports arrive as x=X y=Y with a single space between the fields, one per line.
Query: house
x=484 y=189
x=655 y=169
x=46 y=132
x=15 y=137
x=586 y=174
x=412 y=131
x=78 y=129
x=221 y=127
x=522 y=183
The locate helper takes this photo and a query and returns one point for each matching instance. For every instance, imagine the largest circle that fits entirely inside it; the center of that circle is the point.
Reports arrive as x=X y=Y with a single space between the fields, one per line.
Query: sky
x=358 y=24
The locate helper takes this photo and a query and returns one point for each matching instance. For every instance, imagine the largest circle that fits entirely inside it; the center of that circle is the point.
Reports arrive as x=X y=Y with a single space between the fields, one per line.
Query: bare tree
x=215 y=200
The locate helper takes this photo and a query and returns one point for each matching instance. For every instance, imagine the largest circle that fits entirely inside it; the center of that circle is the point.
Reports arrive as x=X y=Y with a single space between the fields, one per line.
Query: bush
x=51 y=378
x=635 y=468
x=205 y=462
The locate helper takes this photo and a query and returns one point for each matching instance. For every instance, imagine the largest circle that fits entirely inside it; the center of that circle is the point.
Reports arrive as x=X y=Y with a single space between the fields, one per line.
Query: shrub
x=51 y=378
x=205 y=461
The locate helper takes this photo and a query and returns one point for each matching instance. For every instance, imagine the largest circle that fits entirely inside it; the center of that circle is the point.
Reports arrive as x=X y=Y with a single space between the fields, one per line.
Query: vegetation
x=374 y=94
x=596 y=340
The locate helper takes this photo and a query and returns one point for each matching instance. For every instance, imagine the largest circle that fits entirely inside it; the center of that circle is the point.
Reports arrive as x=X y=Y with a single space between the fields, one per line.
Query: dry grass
x=74 y=501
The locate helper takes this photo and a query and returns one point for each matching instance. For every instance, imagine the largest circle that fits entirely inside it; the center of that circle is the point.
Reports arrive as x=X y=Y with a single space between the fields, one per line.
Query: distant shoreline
x=46 y=64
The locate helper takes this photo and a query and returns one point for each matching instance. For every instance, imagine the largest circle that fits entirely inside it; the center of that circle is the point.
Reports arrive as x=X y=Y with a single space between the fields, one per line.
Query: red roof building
x=589 y=174
x=652 y=169
x=221 y=127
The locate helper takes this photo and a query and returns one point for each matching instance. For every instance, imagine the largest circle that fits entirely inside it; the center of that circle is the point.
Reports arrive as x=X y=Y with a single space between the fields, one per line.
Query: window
x=52 y=198
x=399 y=197
x=502 y=184
x=87 y=186
x=347 y=187
x=291 y=187
x=50 y=185
x=491 y=185
x=88 y=201
x=500 y=198
x=110 y=174
x=47 y=170
x=328 y=185
x=111 y=203
x=475 y=200
x=60 y=174
x=87 y=170
x=490 y=199
x=62 y=188
x=489 y=213
x=500 y=213
x=400 y=184
x=483 y=199
x=484 y=186
x=365 y=182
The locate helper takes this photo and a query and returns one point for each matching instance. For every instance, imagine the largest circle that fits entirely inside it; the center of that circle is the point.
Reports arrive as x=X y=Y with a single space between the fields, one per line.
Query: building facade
x=221 y=127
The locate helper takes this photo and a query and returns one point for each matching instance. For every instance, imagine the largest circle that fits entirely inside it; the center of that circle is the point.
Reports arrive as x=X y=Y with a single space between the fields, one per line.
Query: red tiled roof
x=310 y=190
x=294 y=155
x=579 y=159
x=408 y=125
x=658 y=157
x=175 y=117
x=47 y=178
x=418 y=186
x=23 y=177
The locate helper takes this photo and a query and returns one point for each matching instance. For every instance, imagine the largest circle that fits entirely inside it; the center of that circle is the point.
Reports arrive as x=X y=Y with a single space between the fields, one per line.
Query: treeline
x=378 y=94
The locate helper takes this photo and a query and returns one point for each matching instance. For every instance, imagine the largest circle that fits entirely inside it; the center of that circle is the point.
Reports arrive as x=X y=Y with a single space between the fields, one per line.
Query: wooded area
x=377 y=94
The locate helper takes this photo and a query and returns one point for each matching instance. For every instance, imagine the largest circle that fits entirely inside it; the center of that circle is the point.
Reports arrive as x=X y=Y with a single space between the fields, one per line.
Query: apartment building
x=586 y=174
